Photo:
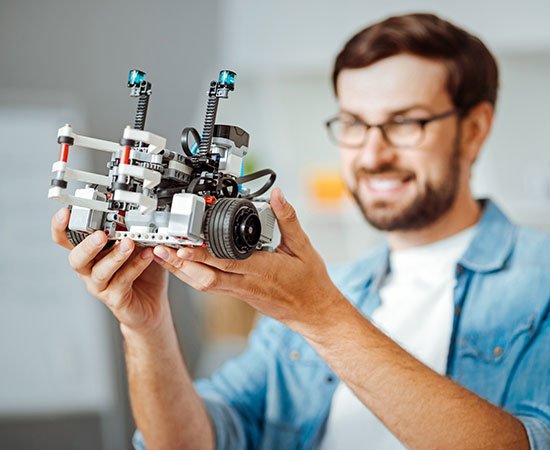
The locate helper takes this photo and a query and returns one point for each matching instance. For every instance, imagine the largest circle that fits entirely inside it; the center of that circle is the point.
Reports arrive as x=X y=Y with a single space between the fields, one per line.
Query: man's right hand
x=122 y=277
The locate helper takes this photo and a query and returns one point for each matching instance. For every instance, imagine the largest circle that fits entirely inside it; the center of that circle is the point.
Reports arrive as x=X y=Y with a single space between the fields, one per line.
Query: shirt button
x=330 y=379
x=457 y=310
x=459 y=269
x=294 y=355
x=497 y=351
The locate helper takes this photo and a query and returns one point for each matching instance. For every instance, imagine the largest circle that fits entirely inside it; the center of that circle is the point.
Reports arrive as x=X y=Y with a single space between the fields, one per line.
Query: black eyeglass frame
x=381 y=126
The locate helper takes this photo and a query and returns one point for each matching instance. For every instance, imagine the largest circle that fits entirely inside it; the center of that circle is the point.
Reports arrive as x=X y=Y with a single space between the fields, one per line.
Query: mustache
x=389 y=169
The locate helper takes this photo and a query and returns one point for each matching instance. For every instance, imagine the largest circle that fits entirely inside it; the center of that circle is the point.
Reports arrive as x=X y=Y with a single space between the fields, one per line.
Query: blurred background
x=62 y=383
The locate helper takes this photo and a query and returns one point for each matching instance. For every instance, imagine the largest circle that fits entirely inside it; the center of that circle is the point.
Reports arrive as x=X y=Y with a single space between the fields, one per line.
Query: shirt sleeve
x=529 y=392
x=235 y=395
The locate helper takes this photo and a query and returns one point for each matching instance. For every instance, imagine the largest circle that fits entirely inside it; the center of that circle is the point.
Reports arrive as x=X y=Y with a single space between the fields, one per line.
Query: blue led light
x=227 y=77
x=194 y=148
x=135 y=77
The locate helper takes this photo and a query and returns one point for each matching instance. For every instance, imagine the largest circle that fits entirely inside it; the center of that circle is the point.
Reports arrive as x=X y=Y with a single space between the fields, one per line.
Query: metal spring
x=208 y=129
x=141 y=113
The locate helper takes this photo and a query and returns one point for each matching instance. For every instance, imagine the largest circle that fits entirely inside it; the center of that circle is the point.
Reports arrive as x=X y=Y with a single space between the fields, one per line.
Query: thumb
x=292 y=234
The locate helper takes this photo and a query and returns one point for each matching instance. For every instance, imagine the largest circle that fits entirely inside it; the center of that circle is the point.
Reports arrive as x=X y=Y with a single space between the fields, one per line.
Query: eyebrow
x=391 y=114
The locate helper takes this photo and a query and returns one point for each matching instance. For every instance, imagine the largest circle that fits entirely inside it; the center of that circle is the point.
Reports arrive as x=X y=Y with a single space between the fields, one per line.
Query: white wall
x=68 y=61
x=292 y=36
x=49 y=364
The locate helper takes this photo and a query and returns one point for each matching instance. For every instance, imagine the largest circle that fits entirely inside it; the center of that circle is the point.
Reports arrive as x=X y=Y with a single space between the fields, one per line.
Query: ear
x=476 y=126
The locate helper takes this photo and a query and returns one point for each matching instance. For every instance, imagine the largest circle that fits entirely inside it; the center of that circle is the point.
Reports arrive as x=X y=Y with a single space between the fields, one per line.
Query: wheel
x=232 y=228
x=75 y=237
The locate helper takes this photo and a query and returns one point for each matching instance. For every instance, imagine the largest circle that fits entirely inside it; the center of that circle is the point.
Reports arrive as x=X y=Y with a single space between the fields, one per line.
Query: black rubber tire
x=75 y=237
x=224 y=225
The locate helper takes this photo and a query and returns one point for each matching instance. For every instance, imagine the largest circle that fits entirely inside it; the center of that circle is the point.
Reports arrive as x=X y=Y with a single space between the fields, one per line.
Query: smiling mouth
x=387 y=184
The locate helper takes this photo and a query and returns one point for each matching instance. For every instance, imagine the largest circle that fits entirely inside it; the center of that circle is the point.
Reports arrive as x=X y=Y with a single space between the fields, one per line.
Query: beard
x=430 y=203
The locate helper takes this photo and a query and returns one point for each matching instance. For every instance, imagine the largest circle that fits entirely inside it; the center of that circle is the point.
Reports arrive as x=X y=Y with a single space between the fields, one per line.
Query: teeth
x=384 y=185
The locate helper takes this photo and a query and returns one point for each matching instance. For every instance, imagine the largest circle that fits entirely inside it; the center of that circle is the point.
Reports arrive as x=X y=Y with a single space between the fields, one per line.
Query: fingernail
x=125 y=245
x=146 y=254
x=282 y=197
x=184 y=253
x=98 y=238
x=60 y=215
x=161 y=252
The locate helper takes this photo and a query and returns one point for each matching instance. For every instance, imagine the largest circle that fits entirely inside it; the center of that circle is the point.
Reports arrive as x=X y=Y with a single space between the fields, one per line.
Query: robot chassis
x=157 y=196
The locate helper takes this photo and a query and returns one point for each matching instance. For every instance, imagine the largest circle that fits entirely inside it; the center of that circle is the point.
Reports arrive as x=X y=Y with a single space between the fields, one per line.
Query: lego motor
x=157 y=196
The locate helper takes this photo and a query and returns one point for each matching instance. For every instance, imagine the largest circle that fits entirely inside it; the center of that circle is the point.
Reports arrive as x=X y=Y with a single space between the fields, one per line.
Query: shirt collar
x=493 y=242
x=372 y=270
x=491 y=246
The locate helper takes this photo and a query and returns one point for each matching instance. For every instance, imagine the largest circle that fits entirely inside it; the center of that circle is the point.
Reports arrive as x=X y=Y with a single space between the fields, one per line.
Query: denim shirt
x=277 y=394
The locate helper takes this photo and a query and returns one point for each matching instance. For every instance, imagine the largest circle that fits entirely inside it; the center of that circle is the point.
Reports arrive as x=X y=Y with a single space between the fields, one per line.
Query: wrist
x=155 y=333
x=334 y=317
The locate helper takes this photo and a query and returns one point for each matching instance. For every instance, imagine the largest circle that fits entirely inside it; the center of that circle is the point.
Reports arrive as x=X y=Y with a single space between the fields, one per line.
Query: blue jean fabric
x=277 y=394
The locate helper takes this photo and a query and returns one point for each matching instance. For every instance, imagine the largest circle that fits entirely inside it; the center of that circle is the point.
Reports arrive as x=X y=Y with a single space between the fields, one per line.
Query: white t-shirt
x=416 y=311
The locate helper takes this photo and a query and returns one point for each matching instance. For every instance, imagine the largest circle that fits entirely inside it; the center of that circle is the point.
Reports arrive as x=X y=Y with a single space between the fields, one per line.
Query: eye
x=398 y=120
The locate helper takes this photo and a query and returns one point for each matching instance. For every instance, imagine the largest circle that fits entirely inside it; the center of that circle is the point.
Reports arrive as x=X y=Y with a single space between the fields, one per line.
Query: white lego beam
x=179 y=166
x=79 y=175
x=57 y=193
x=84 y=141
x=156 y=143
x=150 y=177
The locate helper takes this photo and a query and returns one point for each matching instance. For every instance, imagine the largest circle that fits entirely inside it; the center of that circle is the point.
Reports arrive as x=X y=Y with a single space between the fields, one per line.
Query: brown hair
x=472 y=69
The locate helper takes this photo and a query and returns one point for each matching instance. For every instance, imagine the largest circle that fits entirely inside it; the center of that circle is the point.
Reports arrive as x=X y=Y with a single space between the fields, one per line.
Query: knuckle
x=119 y=257
x=269 y=276
x=255 y=292
x=230 y=265
x=169 y=267
x=99 y=277
x=73 y=261
x=92 y=289
x=211 y=281
x=291 y=215
x=88 y=244
x=201 y=287
x=200 y=256
x=110 y=299
x=123 y=279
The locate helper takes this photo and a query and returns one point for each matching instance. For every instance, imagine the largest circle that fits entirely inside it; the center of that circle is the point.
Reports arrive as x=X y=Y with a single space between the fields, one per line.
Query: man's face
x=401 y=188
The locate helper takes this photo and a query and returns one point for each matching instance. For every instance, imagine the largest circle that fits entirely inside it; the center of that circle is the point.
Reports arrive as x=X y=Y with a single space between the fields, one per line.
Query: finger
x=210 y=279
x=124 y=278
x=292 y=234
x=199 y=276
x=202 y=255
x=168 y=255
x=81 y=257
x=175 y=271
x=59 y=224
x=104 y=269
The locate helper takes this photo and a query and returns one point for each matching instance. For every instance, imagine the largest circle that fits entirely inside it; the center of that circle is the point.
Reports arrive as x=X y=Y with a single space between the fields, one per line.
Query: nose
x=376 y=151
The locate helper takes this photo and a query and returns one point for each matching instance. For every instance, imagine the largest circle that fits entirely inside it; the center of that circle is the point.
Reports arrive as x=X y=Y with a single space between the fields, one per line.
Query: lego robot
x=157 y=196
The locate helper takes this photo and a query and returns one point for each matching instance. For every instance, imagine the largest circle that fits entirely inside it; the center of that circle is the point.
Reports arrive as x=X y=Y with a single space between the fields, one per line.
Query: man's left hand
x=290 y=284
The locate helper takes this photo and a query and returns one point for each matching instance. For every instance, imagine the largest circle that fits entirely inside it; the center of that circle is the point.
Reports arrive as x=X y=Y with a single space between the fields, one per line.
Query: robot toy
x=157 y=196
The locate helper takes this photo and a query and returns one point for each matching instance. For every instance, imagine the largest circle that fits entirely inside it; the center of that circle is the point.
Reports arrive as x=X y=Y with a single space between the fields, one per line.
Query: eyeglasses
x=351 y=131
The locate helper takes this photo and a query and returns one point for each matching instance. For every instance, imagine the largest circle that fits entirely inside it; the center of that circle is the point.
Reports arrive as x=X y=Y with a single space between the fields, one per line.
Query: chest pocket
x=487 y=357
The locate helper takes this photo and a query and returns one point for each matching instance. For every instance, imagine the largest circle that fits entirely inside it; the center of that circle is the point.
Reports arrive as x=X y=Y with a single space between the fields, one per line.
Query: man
x=438 y=340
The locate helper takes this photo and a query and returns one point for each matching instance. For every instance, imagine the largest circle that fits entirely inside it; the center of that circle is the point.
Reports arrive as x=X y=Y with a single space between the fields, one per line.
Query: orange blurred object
x=326 y=185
